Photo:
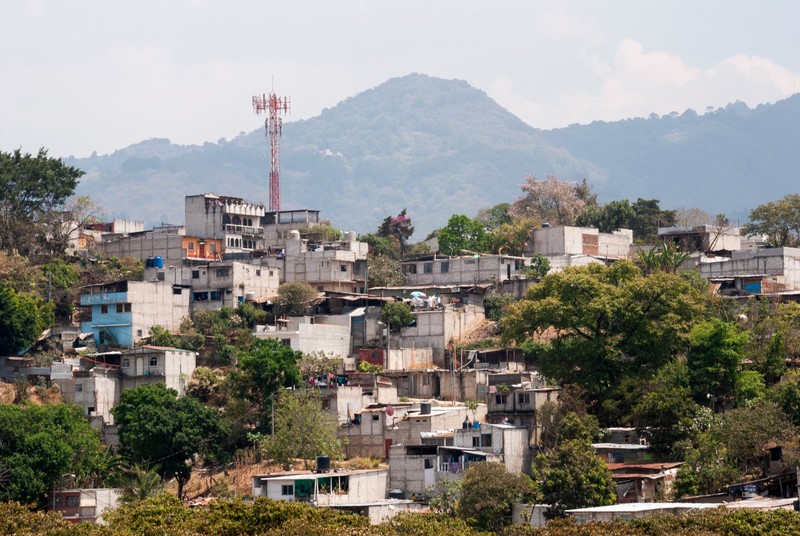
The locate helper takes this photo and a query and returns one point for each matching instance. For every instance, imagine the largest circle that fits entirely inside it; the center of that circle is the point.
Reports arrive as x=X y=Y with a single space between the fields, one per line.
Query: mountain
x=441 y=147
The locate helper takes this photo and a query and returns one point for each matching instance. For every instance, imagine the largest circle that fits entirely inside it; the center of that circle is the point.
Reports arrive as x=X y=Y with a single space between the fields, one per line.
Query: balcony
x=244 y=230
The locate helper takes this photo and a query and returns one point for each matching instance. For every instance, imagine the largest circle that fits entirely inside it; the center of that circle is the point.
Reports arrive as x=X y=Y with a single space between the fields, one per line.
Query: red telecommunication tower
x=274 y=106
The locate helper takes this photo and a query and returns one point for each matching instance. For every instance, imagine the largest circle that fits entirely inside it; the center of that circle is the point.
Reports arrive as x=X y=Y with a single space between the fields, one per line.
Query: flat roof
x=299 y=474
x=620 y=446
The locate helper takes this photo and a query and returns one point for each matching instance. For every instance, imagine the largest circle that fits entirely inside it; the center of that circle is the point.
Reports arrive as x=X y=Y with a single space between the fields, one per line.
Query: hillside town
x=581 y=360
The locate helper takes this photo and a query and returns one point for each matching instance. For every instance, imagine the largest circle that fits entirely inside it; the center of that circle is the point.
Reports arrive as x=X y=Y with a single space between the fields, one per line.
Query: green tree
x=489 y=492
x=495 y=216
x=573 y=476
x=462 y=234
x=23 y=317
x=778 y=220
x=538 y=266
x=397 y=314
x=40 y=446
x=265 y=369
x=607 y=218
x=608 y=322
x=143 y=482
x=666 y=257
x=384 y=271
x=511 y=238
x=303 y=430
x=33 y=189
x=158 y=428
x=649 y=217
x=715 y=354
x=443 y=496
x=295 y=299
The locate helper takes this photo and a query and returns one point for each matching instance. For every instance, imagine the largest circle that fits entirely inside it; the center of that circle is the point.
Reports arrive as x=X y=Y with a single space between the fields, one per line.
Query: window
x=72 y=501
x=195 y=274
x=376 y=418
x=160 y=276
x=427 y=268
x=215 y=295
x=409 y=268
x=120 y=307
x=212 y=247
x=258 y=272
x=343 y=268
x=287 y=489
x=126 y=362
x=138 y=332
x=104 y=309
x=78 y=387
x=428 y=463
x=177 y=291
x=523 y=398
x=270 y=273
x=486 y=439
x=191 y=246
x=286 y=342
x=500 y=399
x=444 y=267
x=223 y=272
x=127 y=307
x=153 y=361
x=476 y=441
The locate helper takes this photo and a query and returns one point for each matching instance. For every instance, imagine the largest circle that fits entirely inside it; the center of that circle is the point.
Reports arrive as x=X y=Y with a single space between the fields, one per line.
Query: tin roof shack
x=629 y=511
x=220 y=283
x=508 y=442
x=463 y=270
x=566 y=241
x=238 y=223
x=373 y=431
x=755 y=271
x=706 y=238
x=121 y=313
x=147 y=365
x=520 y=406
x=327 y=266
x=85 y=505
x=622 y=452
x=643 y=482
x=412 y=468
x=333 y=488
x=327 y=334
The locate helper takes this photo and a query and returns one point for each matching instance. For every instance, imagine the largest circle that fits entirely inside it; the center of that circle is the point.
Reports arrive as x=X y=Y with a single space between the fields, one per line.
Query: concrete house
x=520 y=406
x=121 y=313
x=218 y=284
x=146 y=365
x=578 y=246
x=330 y=488
x=85 y=505
x=329 y=334
x=703 y=237
x=754 y=271
x=463 y=270
x=338 y=266
x=237 y=223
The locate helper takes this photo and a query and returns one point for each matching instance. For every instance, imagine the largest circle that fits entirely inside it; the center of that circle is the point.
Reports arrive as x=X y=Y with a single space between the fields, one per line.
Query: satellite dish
x=389 y=411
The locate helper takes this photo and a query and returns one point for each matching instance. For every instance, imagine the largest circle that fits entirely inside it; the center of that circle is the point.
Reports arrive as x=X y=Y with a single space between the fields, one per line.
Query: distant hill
x=441 y=147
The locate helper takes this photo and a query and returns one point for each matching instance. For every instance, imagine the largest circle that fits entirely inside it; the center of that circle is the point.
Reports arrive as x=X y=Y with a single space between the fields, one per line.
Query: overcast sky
x=78 y=76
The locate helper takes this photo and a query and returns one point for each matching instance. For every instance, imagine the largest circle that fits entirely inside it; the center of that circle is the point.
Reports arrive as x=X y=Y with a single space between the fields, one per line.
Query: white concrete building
x=309 y=334
x=336 y=266
x=146 y=365
x=759 y=271
x=220 y=283
x=337 y=488
x=121 y=313
x=464 y=270
x=239 y=224
x=568 y=241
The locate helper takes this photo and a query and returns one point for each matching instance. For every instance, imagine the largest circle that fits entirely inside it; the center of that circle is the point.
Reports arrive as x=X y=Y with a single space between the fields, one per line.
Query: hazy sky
x=79 y=75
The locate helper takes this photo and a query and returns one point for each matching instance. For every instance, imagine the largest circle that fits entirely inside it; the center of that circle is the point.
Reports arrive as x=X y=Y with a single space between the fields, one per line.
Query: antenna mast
x=274 y=107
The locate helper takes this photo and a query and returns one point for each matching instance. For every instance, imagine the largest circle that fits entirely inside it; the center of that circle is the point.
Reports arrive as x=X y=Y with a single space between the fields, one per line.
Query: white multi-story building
x=566 y=241
x=239 y=224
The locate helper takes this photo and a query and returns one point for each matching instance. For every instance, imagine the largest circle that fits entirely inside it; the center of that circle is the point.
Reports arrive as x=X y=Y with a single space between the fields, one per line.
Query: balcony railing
x=244 y=230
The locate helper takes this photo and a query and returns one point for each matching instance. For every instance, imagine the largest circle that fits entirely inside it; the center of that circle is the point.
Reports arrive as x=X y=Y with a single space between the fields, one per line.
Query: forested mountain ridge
x=440 y=147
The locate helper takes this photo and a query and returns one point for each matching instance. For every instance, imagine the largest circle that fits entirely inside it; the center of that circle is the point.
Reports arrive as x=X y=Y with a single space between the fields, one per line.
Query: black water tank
x=424 y=408
x=397 y=494
x=323 y=464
